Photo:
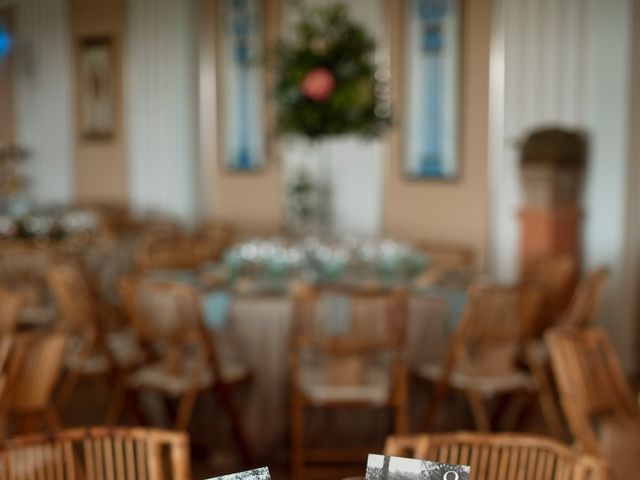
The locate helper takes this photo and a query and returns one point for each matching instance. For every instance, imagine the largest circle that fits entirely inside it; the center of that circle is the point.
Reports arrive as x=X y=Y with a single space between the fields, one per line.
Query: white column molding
x=45 y=125
x=162 y=91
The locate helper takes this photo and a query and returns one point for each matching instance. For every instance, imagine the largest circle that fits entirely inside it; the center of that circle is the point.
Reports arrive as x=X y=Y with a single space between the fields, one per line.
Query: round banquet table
x=257 y=326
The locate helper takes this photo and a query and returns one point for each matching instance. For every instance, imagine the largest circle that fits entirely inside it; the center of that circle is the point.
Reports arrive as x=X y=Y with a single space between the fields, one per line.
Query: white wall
x=43 y=104
x=161 y=104
x=606 y=194
x=356 y=166
x=566 y=63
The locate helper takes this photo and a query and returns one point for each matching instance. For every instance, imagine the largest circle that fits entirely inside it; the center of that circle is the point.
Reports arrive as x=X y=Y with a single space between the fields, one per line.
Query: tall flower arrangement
x=326 y=78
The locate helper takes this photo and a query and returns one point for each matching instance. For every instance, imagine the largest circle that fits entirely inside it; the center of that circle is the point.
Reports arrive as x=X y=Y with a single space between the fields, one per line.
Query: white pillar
x=45 y=123
x=161 y=97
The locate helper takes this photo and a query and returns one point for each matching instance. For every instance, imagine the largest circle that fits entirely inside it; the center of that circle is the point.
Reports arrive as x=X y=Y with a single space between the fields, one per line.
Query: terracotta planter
x=547 y=185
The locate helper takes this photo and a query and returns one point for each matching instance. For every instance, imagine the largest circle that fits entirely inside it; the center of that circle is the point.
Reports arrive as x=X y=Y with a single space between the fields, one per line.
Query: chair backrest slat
x=34 y=367
x=590 y=380
x=11 y=304
x=495 y=323
x=118 y=455
x=555 y=276
x=586 y=300
x=141 y=459
x=74 y=296
x=131 y=465
x=107 y=452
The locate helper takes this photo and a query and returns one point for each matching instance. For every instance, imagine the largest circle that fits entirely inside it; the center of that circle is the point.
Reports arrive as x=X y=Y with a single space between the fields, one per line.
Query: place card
x=257 y=474
x=384 y=467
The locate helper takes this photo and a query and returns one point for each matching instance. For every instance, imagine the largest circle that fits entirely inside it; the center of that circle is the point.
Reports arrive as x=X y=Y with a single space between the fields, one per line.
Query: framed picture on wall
x=96 y=88
x=425 y=61
x=244 y=31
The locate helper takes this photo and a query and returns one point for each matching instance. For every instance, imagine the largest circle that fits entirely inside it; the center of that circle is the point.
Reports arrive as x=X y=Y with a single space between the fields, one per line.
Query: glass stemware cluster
x=347 y=259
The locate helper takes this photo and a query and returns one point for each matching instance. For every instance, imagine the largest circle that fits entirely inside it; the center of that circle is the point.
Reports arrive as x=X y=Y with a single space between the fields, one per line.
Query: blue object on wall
x=241 y=31
x=431 y=86
x=242 y=83
x=6 y=42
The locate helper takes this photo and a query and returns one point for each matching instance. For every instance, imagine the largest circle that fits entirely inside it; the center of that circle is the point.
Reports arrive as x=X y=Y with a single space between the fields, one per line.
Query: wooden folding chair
x=212 y=238
x=446 y=257
x=23 y=268
x=33 y=368
x=555 y=276
x=586 y=300
x=340 y=363
x=504 y=456
x=94 y=352
x=114 y=219
x=183 y=358
x=167 y=251
x=6 y=343
x=482 y=359
x=97 y=453
x=11 y=304
x=596 y=398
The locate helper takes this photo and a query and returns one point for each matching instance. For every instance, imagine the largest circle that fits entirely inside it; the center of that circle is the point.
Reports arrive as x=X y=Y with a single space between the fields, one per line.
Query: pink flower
x=318 y=84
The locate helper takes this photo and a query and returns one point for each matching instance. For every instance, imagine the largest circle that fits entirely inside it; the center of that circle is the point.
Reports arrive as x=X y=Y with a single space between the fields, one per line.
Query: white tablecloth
x=261 y=327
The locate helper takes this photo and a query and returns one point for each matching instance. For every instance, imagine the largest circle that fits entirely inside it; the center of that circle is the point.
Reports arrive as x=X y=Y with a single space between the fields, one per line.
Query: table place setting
x=274 y=265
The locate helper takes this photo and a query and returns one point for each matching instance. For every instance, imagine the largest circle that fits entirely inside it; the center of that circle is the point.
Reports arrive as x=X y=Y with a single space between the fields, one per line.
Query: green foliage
x=327 y=38
x=555 y=145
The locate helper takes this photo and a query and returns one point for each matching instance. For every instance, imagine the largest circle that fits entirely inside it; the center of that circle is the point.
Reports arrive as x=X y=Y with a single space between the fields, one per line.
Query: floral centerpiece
x=326 y=78
x=326 y=87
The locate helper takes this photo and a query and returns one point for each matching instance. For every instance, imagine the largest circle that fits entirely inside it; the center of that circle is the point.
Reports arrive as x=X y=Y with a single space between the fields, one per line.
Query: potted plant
x=553 y=164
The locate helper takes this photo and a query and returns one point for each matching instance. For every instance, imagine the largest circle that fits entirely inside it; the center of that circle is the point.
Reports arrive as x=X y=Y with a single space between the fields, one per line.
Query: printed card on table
x=384 y=467
x=257 y=474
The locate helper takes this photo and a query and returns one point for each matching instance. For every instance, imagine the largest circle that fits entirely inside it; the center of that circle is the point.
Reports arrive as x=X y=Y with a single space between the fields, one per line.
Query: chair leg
x=502 y=404
x=53 y=419
x=548 y=405
x=30 y=422
x=67 y=388
x=430 y=412
x=237 y=428
x=551 y=414
x=517 y=411
x=100 y=385
x=479 y=410
x=4 y=426
x=546 y=397
x=133 y=404
x=297 y=439
x=185 y=409
x=401 y=420
x=116 y=402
